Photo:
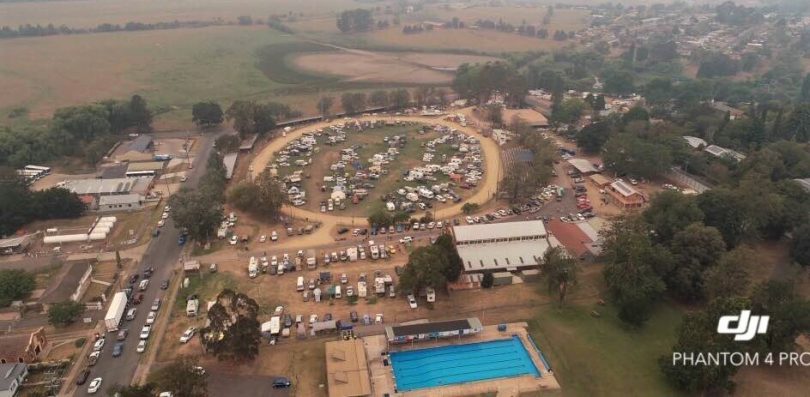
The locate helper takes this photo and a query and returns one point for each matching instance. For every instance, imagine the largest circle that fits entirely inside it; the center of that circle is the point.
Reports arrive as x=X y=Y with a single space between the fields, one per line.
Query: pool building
x=444 y=358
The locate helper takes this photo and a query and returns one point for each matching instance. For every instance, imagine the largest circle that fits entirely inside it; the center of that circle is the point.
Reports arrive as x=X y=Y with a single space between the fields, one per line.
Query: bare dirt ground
x=366 y=66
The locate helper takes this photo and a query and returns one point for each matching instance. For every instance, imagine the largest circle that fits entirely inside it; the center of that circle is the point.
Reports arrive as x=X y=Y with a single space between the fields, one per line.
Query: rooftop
x=531 y=116
x=623 y=188
x=145 y=166
x=10 y=372
x=347 y=369
x=107 y=186
x=65 y=282
x=15 y=241
x=502 y=256
x=499 y=230
x=695 y=142
x=433 y=327
x=119 y=199
x=140 y=144
x=230 y=164
x=573 y=238
x=247 y=143
x=582 y=165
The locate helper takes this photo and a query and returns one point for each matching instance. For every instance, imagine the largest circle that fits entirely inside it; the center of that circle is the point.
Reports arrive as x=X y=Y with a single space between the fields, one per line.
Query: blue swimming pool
x=447 y=365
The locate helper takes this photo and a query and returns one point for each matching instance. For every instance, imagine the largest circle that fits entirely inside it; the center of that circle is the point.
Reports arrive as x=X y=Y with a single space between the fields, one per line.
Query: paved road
x=162 y=254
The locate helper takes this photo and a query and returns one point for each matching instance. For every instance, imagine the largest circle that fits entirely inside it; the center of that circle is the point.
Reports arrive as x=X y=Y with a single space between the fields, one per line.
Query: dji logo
x=747 y=325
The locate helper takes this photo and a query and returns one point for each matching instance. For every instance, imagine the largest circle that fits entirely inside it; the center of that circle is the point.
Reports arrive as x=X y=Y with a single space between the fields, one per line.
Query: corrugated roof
x=694 y=141
x=623 y=188
x=499 y=230
x=9 y=373
x=502 y=256
x=347 y=368
x=571 y=236
x=140 y=144
x=436 y=326
x=582 y=165
x=120 y=199
x=230 y=164
x=146 y=166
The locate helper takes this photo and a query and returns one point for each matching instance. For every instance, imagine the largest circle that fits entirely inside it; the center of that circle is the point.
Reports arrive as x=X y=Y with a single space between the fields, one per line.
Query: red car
x=138 y=298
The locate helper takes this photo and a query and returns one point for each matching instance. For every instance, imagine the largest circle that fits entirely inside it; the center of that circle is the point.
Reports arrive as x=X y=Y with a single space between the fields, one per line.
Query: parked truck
x=379 y=286
x=362 y=291
x=375 y=252
x=312 y=260
x=253 y=267
x=118 y=305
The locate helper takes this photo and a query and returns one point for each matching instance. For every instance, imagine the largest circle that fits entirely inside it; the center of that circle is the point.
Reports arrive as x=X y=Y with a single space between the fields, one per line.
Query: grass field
x=89 y=13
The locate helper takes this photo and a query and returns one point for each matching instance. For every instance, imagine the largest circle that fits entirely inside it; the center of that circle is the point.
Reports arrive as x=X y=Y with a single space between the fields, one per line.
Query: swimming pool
x=447 y=365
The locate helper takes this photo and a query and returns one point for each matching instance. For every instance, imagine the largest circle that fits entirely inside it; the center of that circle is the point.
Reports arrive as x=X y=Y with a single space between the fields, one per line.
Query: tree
x=669 y=213
x=698 y=333
x=426 y=267
x=263 y=198
x=800 y=246
x=62 y=314
x=15 y=285
x=233 y=330
x=717 y=65
x=357 y=20
x=494 y=114
x=632 y=281
x=695 y=250
x=469 y=208
x=206 y=114
x=569 y=111
x=353 y=103
x=145 y=390
x=618 y=82
x=636 y=113
x=196 y=212
x=325 y=105
x=731 y=277
x=592 y=137
x=724 y=210
x=182 y=378
x=628 y=154
x=256 y=118
x=400 y=98
x=488 y=281
x=454 y=263
x=789 y=314
x=140 y=114
x=560 y=271
x=228 y=143
x=804 y=93
x=379 y=98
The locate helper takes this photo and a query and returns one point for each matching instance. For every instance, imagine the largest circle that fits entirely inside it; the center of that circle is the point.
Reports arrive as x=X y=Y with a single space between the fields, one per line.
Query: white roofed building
x=509 y=246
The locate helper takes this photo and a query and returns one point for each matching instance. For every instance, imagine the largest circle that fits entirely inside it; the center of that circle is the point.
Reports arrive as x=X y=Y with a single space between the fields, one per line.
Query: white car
x=378 y=319
x=165 y=215
x=263 y=238
x=161 y=223
x=273 y=261
x=188 y=334
x=141 y=347
x=273 y=236
x=150 y=318
x=95 y=384
x=344 y=279
x=406 y=240
x=439 y=225
x=183 y=178
x=99 y=345
x=313 y=318
x=411 y=301
x=145 y=331
x=234 y=240
x=431 y=295
x=469 y=220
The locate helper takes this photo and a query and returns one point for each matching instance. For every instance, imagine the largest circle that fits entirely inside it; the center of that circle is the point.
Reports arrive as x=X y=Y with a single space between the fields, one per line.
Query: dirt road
x=486 y=189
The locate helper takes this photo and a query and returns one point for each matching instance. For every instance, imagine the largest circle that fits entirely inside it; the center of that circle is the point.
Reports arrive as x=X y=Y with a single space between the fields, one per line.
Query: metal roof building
x=695 y=142
x=347 y=373
x=583 y=166
x=140 y=144
x=432 y=330
x=230 y=164
x=146 y=166
x=101 y=187
x=501 y=246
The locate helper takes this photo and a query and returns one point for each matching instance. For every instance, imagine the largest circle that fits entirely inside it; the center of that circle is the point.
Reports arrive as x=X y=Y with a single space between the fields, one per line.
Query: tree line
x=20 y=206
x=28 y=30
x=357 y=20
x=88 y=130
x=199 y=211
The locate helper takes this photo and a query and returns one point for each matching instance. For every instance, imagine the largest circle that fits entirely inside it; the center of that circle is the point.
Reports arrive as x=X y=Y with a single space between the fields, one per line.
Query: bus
x=44 y=170
x=135 y=174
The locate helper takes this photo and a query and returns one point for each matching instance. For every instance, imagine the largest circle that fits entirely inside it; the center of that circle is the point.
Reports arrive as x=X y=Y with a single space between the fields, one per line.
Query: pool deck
x=382 y=377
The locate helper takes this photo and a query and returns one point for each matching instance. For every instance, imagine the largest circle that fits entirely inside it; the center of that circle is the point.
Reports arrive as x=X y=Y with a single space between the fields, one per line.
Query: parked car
x=82 y=378
x=263 y=238
x=353 y=316
x=122 y=334
x=141 y=346
x=281 y=383
x=155 y=305
x=145 y=331
x=411 y=301
x=150 y=318
x=188 y=334
x=164 y=285
x=95 y=385
x=273 y=236
x=99 y=345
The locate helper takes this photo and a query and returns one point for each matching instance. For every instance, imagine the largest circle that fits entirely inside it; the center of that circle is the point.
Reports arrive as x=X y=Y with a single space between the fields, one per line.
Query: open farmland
x=365 y=66
x=168 y=67
x=89 y=13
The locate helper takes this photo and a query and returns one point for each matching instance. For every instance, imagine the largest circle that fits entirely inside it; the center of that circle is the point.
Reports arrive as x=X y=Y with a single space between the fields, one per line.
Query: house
x=432 y=330
x=70 y=283
x=347 y=373
x=120 y=202
x=578 y=239
x=722 y=152
x=624 y=195
x=22 y=347
x=695 y=142
x=600 y=180
x=496 y=247
x=15 y=245
x=725 y=108
x=139 y=149
x=11 y=377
